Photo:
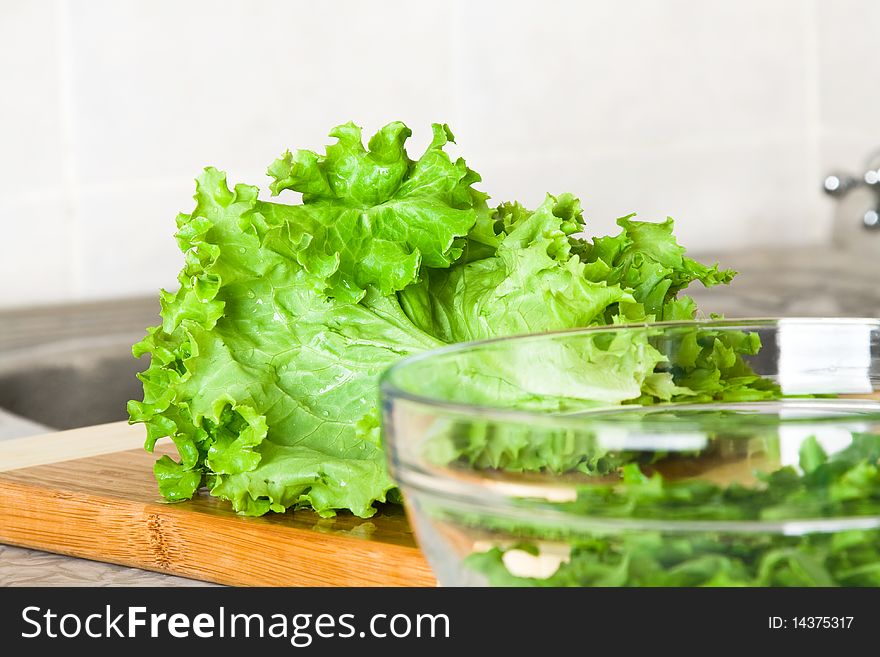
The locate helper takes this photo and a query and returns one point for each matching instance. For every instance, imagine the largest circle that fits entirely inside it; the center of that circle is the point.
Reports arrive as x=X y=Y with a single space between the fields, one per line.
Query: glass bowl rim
x=390 y=390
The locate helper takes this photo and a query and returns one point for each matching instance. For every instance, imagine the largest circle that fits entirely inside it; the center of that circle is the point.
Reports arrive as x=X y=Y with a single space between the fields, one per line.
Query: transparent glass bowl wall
x=552 y=459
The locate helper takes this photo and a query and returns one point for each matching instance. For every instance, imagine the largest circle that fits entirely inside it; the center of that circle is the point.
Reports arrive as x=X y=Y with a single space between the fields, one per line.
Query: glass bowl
x=726 y=453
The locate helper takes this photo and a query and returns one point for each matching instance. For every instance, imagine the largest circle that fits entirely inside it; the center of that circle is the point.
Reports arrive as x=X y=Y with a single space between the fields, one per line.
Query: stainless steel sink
x=70 y=366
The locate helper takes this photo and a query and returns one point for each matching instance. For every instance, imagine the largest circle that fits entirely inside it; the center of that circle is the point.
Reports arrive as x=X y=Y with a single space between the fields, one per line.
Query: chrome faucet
x=838 y=185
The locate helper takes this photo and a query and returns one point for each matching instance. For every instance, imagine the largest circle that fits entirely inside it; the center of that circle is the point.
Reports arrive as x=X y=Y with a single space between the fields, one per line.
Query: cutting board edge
x=70 y=445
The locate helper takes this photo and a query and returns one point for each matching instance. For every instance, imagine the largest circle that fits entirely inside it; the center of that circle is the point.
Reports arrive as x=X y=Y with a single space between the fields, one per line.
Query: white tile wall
x=35 y=253
x=849 y=77
x=35 y=250
x=126 y=236
x=848 y=72
x=723 y=198
x=175 y=86
x=584 y=77
x=722 y=115
x=31 y=136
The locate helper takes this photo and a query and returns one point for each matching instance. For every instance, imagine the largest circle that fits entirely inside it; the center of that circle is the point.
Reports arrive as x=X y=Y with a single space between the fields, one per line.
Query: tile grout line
x=68 y=169
x=823 y=225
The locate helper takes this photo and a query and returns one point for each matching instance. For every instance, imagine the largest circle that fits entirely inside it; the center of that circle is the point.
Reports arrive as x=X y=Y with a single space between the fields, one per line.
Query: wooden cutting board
x=90 y=493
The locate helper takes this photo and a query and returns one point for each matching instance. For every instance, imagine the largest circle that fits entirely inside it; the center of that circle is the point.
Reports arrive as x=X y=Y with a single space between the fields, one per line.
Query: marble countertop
x=801 y=282
x=806 y=282
x=22 y=567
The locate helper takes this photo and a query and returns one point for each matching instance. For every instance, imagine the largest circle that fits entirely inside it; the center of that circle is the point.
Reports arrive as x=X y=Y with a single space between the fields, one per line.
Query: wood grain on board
x=106 y=507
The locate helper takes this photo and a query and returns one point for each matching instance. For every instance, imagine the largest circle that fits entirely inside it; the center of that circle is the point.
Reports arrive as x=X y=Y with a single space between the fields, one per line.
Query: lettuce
x=264 y=369
x=844 y=484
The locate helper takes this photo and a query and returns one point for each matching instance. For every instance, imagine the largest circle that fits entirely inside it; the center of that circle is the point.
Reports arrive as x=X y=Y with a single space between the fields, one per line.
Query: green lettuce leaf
x=646 y=258
x=532 y=282
x=264 y=369
x=845 y=484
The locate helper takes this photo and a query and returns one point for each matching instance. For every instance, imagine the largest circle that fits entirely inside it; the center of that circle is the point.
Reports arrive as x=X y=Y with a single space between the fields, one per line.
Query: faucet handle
x=863 y=210
x=838 y=184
